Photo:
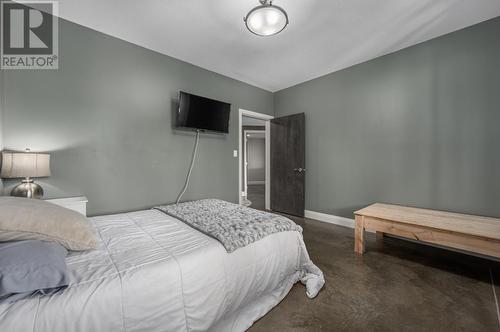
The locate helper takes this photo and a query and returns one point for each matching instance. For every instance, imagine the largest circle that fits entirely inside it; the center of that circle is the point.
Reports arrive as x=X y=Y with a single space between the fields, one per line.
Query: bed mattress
x=152 y=272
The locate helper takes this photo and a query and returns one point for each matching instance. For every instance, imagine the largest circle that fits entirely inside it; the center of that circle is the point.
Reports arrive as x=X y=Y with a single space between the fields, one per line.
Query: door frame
x=266 y=118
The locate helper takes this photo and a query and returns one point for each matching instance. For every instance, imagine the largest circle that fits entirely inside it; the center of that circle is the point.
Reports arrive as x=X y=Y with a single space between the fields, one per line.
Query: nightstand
x=78 y=204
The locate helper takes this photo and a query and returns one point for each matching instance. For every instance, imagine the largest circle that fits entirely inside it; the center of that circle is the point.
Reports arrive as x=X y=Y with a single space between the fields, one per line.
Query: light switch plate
x=235 y=153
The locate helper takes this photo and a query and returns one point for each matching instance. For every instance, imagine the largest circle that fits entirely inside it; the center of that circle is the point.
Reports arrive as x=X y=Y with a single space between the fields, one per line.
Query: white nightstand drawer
x=78 y=204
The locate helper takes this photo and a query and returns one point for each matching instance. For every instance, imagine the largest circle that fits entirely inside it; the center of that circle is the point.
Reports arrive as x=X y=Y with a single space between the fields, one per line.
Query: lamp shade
x=25 y=165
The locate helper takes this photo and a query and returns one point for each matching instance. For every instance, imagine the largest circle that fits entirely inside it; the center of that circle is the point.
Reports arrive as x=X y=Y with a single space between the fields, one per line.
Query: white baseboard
x=329 y=218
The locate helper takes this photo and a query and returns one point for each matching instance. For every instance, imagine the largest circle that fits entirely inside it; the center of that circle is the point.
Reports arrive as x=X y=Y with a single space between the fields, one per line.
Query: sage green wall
x=1 y=114
x=1 y=121
x=105 y=116
x=419 y=127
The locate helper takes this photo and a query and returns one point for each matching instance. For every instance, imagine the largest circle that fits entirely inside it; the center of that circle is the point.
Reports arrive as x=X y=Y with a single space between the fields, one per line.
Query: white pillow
x=34 y=219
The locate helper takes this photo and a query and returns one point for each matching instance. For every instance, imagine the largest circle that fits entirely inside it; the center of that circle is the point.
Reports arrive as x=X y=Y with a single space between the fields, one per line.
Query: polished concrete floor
x=256 y=194
x=396 y=285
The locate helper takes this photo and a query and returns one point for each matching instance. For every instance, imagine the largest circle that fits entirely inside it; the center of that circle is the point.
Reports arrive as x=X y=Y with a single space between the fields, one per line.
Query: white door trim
x=268 y=165
x=266 y=118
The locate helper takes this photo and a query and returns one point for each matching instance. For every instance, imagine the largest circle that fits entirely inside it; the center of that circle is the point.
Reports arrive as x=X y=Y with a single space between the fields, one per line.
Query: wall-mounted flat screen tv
x=200 y=113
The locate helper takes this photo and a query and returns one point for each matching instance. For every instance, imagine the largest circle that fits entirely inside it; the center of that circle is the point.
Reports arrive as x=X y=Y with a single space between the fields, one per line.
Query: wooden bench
x=460 y=231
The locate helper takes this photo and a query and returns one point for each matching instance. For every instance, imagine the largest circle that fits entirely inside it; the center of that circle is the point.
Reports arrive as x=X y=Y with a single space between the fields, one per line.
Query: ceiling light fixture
x=266 y=19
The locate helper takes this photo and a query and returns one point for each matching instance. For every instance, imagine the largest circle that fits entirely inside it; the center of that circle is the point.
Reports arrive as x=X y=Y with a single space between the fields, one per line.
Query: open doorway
x=254 y=170
x=254 y=153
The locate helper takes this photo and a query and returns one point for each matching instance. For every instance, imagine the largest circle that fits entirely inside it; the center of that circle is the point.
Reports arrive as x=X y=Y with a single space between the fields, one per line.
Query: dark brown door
x=288 y=164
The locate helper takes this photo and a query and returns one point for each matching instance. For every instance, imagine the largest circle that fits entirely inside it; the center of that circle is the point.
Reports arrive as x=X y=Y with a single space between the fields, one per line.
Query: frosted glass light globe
x=266 y=20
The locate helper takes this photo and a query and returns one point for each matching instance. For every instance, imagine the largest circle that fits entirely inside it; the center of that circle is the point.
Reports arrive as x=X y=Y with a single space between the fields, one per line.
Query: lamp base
x=28 y=189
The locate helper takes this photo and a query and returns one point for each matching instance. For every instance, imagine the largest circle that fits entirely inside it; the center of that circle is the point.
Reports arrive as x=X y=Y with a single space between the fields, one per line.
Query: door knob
x=300 y=169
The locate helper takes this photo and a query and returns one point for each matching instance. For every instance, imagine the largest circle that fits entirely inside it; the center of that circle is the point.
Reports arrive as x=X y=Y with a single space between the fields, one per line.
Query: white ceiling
x=323 y=36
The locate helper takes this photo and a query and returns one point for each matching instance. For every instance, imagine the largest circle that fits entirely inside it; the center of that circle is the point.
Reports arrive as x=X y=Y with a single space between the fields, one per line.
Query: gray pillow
x=31 y=267
x=34 y=219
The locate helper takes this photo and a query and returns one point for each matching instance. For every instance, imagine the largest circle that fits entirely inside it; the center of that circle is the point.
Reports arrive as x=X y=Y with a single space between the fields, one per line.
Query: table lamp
x=25 y=165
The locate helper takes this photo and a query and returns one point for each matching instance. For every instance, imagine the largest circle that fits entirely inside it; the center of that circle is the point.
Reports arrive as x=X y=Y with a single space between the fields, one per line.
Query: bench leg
x=359 y=236
x=380 y=236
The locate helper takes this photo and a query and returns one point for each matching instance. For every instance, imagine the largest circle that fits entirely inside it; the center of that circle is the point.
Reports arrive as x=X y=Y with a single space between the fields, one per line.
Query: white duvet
x=154 y=273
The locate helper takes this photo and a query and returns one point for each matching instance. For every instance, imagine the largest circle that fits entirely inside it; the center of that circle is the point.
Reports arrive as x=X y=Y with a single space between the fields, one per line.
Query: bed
x=153 y=272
